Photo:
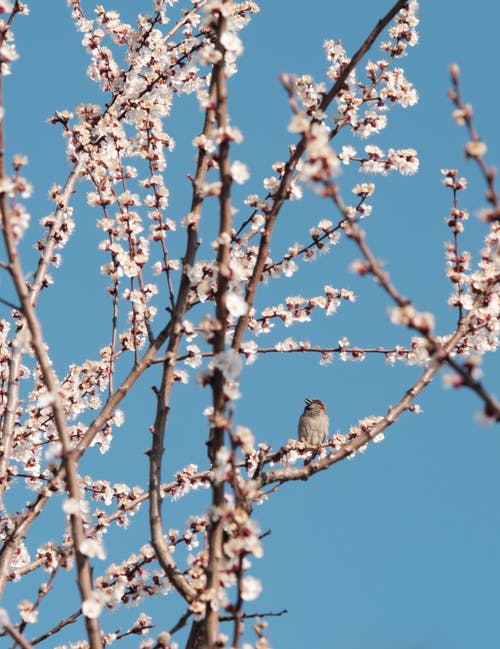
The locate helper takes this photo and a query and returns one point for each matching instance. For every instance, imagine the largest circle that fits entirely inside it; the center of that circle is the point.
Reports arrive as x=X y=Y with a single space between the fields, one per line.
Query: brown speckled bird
x=313 y=424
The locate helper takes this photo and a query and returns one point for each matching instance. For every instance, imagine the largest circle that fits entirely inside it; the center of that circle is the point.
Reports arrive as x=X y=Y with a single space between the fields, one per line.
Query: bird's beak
x=308 y=401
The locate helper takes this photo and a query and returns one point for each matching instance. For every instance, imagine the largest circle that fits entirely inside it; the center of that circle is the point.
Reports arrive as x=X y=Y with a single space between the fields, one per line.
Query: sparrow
x=313 y=424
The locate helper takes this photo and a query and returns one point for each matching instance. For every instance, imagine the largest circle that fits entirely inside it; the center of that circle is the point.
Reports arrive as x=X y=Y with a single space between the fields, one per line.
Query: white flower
x=21 y=557
x=286 y=345
x=194 y=356
x=251 y=588
x=250 y=349
x=235 y=304
x=202 y=142
x=475 y=149
x=28 y=613
x=239 y=172
x=363 y=189
x=92 y=606
x=46 y=399
x=401 y=315
x=347 y=153
x=298 y=124
x=229 y=363
x=245 y=438
x=4 y=618
x=53 y=451
x=231 y=42
x=405 y=161
x=181 y=375
x=232 y=390
x=93 y=548
x=222 y=464
x=118 y=418
x=271 y=184
x=289 y=267
x=5 y=6
x=71 y=506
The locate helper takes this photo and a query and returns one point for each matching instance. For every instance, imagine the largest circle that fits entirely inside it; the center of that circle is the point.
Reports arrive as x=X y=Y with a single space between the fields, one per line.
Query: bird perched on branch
x=313 y=424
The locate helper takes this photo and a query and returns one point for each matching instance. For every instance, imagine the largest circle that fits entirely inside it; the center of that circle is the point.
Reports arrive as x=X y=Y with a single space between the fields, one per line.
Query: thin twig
x=55 y=629
x=251 y=616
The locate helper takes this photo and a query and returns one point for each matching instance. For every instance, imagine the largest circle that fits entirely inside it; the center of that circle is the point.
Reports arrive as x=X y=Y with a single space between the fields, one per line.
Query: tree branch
x=392 y=415
x=163 y=395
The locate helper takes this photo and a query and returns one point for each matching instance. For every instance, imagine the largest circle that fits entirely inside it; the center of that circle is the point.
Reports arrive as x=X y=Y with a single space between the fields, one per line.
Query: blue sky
x=398 y=548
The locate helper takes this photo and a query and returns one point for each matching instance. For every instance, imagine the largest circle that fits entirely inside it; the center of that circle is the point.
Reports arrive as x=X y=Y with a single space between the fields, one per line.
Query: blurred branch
x=16 y=307
x=219 y=423
x=18 y=637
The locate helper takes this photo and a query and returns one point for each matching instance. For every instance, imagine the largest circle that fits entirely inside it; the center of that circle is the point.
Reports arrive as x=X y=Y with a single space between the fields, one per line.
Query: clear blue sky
x=398 y=548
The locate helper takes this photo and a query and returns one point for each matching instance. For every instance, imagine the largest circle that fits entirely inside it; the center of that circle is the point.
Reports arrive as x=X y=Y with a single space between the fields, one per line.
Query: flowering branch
x=163 y=395
x=219 y=424
x=282 y=192
x=474 y=149
x=372 y=432
x=52 y=385
x=424 y=322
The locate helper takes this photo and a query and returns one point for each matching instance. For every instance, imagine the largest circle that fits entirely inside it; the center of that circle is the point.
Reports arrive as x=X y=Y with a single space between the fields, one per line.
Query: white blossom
x=235 y=304
x=251 y=588
x=92 y=606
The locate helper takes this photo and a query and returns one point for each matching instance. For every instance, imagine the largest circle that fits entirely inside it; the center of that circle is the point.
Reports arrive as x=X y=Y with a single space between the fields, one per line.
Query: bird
x=313 y=424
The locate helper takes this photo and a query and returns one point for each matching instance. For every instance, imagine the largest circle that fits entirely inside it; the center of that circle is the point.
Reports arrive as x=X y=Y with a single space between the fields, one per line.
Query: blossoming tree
x=187 y=301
